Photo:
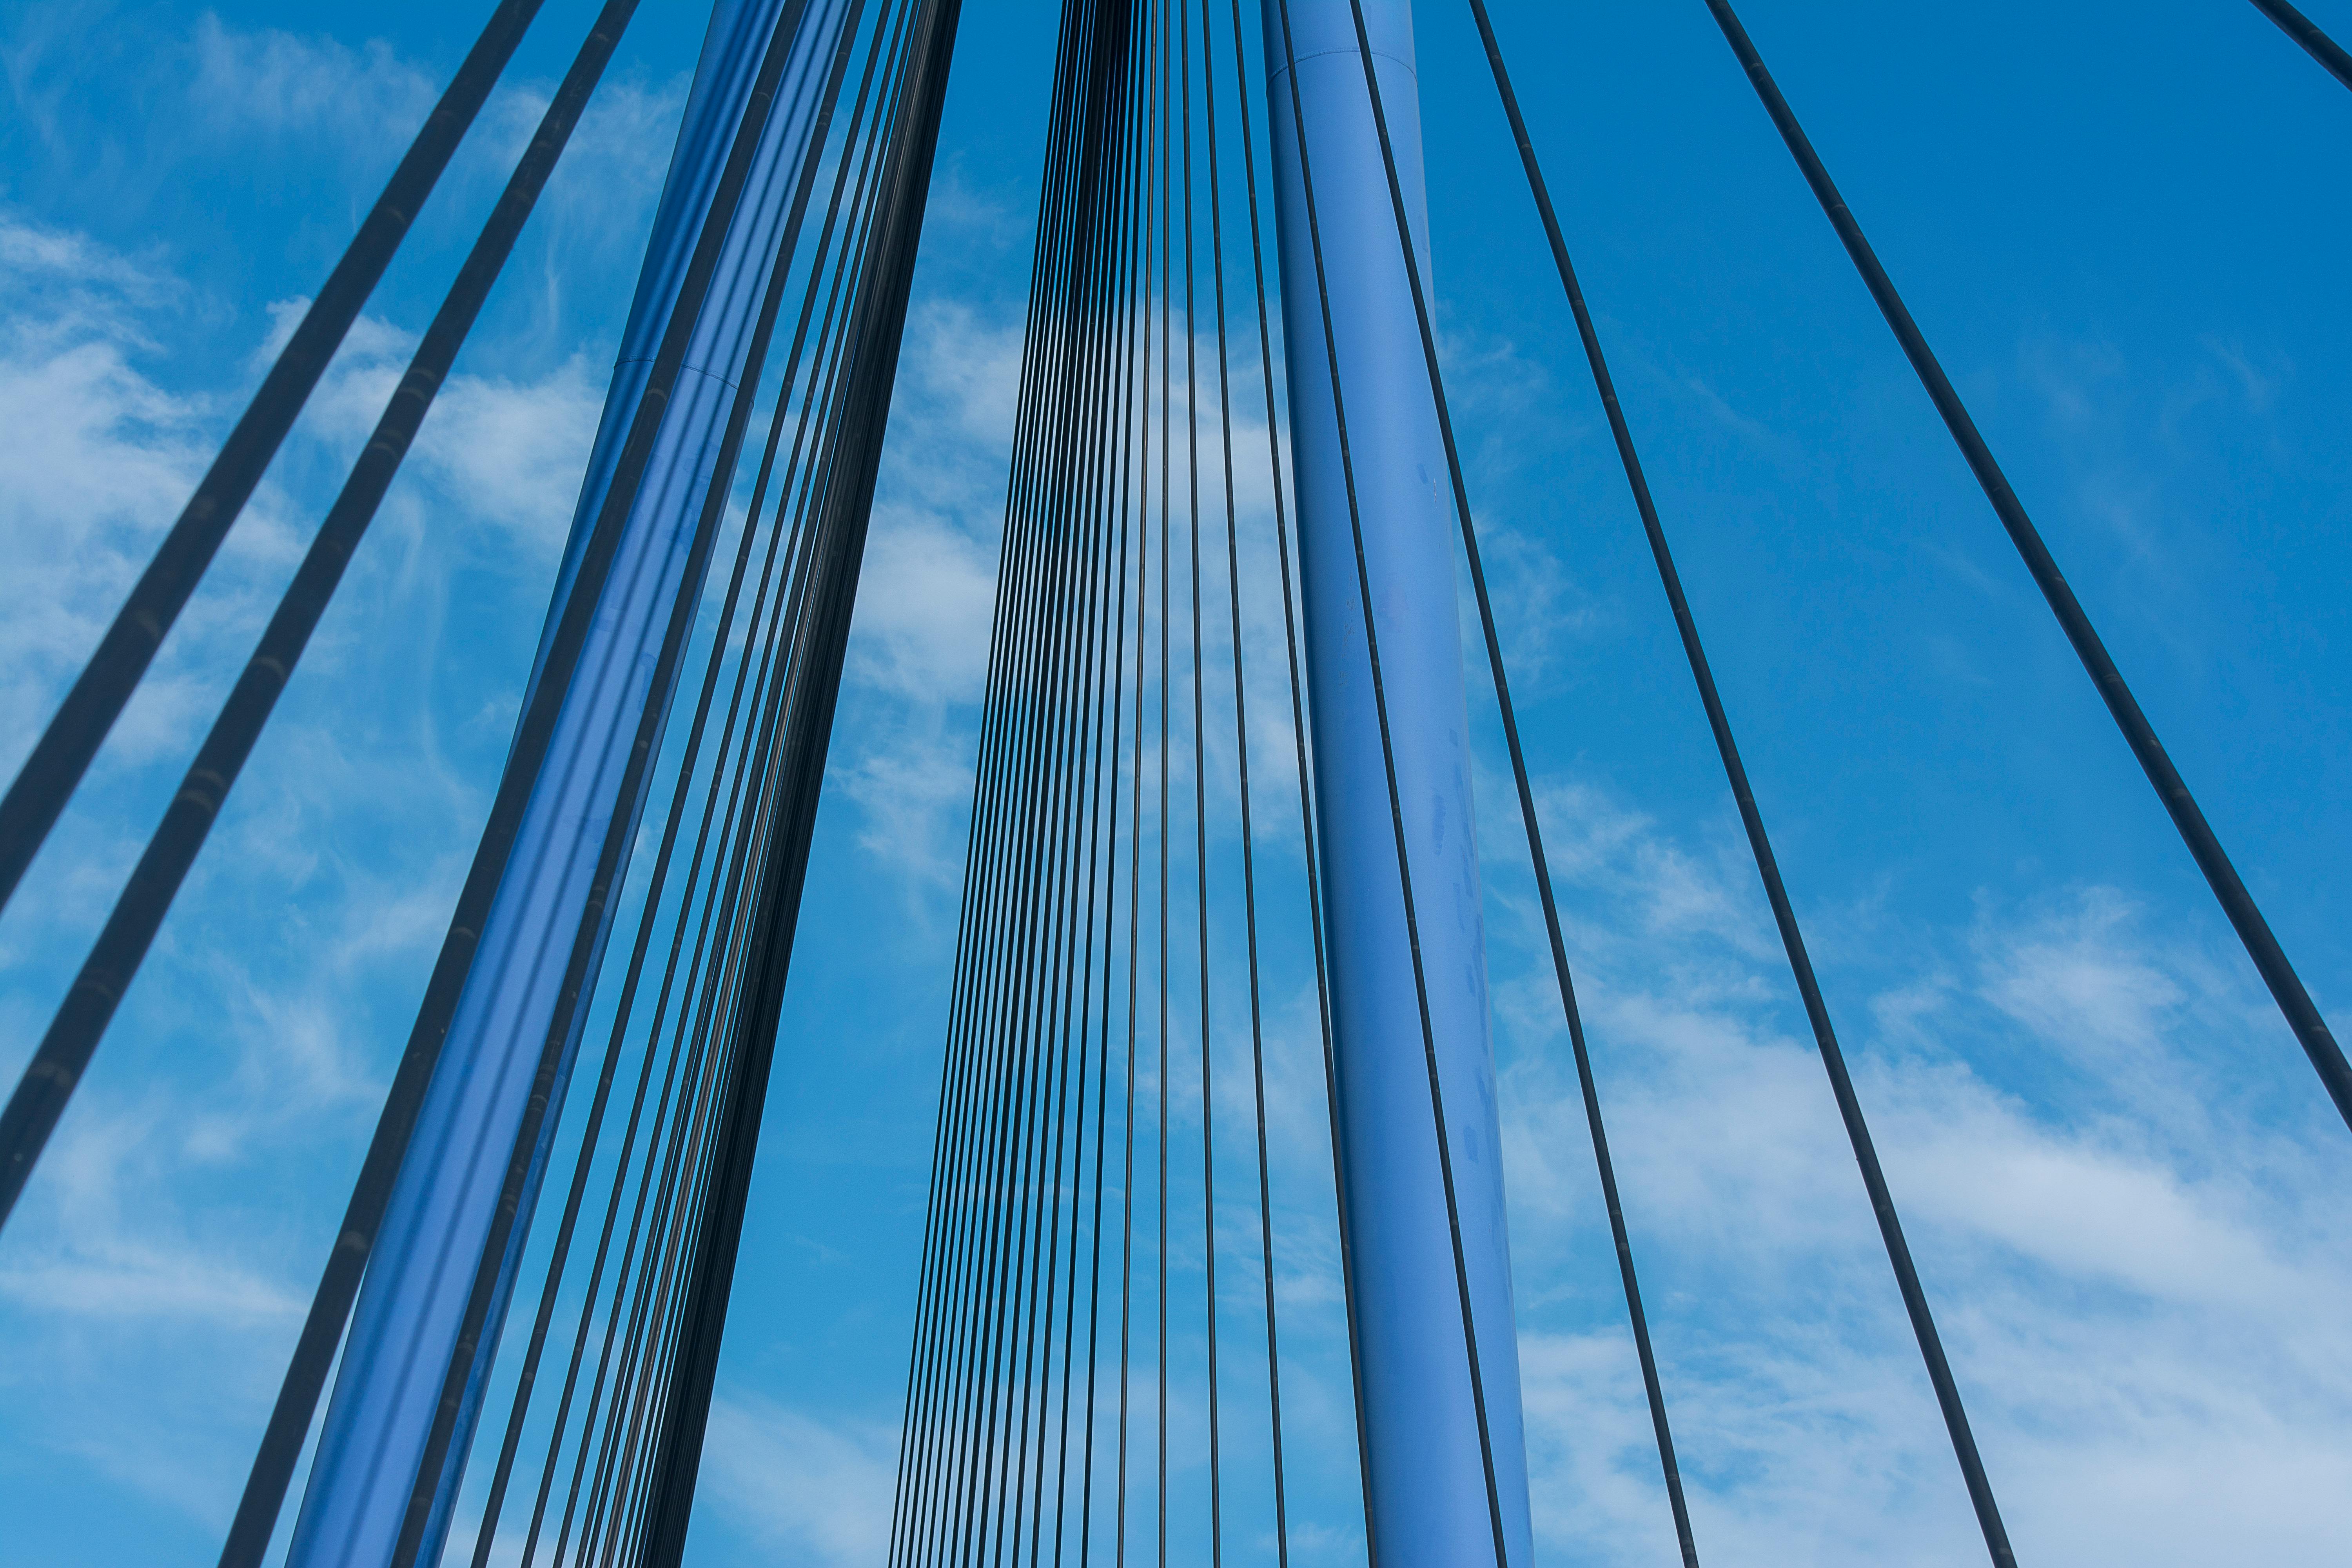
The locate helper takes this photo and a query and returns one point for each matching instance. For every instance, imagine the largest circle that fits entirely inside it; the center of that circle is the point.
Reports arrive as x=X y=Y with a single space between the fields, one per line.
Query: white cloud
x=103 y=460
x=918 y=648
x=285 y=85
x=2127 y=1275
x=160 y=1263
x=810 y=1490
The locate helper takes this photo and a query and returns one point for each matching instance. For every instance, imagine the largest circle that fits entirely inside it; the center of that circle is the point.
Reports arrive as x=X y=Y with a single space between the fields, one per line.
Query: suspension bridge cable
x=1306 y=785
x=1119 y=465
x=2306 y=32
x=1000 y=1386
x=1793 y=939
x=777 y=535
x=1200 y=792
x=658 y=881
x=1035 y=963
x=330 y=1306
x=1240 y=764
x=928 y=1490
x=1396 y=808
x=1138 y=306
x=786 y=602
x=62 y=755
x=1161 y=819
x=1539 y=861
x=1135 y=259
x=987 y=1002
x=841 y=539
x=1530 y=816
x=66 y=1048
x=620 y=832
x=2286 y=987
x=1036 y=1001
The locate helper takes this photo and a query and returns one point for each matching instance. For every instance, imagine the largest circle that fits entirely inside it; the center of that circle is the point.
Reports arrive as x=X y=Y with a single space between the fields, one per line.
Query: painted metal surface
x=422 y=1270
x=1429 y=1488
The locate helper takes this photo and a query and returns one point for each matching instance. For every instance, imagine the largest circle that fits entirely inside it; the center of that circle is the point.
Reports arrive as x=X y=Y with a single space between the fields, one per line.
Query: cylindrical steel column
x=421 y=1271
x=1430 y=1500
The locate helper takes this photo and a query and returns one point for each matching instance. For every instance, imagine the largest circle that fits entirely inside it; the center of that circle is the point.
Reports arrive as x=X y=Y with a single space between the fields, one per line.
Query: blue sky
x=2119 y=224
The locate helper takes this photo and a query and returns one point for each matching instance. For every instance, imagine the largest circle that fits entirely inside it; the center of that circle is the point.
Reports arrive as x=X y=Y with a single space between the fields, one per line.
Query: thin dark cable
x=847 y=502
x=719 y=874
x=1038 y=787
x=1167 y=526
x=1082 y=380
x=1305 y=784
x=992 y=873
x=2304 y=31
x=786 y=615
x=64 y=752
x=1081 y=704
x=1200 y=802
x=1800 y=964
x=1396 y=811
x=1059 y=1006
x=64 y=1056
x=721 y=640
x=1134 y=507
x=1142 y=310
x=1118 y=464
x=1537 y=859
x=330 y=1306
x=2286 y=987
x=1042 y=998
x=620 y=832
x=1241 y=755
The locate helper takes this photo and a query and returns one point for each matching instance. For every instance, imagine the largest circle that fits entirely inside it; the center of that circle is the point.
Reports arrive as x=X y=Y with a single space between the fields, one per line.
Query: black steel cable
x=1137 y=310
x=785 y=615
x=1652 y=1388
x=1306 y=781
x=761 y=706
x=1014 y=1101
x=1083 y=412
x=1056 y=727
x=988 y=873
x=1014 y=1242
x=330 y=1306
x=659 y=1271
x=63 y=753
x=1081 y=703
x=72 y=1039
x=1832 y=1056
x=1240 y=755
x=1200 y=797
x=1112 y=453
x=718 y=660
x=620 y=832
x=1118 y=477
x=1167 y=529
x=2270 y=960
x=2306 y=32
x=648 y=1344
x=1057 y=1005
x=867 y=405
x=1089 y=420
x=1140 y=310
x=1396 y=809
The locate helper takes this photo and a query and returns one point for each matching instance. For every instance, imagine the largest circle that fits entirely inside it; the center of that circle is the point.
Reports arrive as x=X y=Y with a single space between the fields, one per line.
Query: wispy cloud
x=811 y=1489
x=286 y=84
x=918 y=648
x=162 y=1259
x=2125 y=1269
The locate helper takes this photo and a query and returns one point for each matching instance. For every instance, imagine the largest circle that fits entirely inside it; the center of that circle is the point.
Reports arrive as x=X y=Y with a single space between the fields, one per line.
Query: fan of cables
x=1100 y=1363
